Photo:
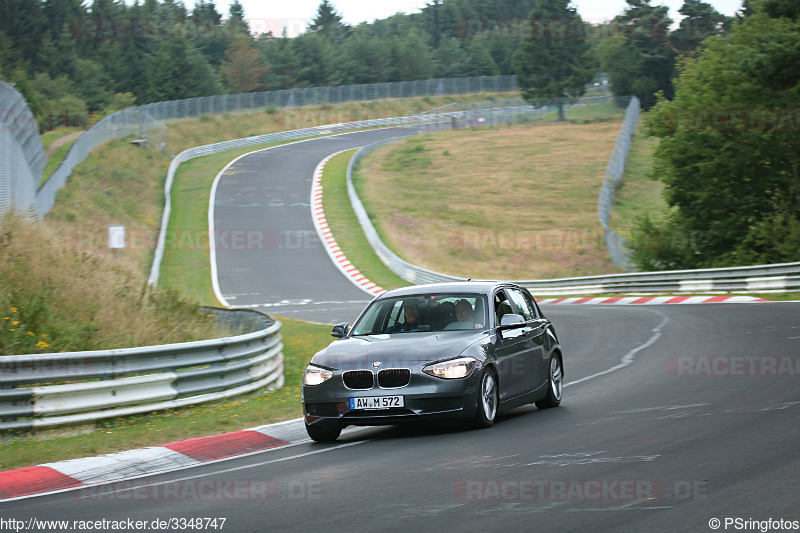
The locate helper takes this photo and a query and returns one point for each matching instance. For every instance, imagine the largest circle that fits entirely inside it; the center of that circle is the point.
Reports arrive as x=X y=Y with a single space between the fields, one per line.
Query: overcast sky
x=296 y=14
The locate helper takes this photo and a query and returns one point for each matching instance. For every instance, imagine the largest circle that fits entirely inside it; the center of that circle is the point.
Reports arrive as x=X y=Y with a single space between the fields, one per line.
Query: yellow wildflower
x=42 y=345
x=14 y=309
x=31 y=333
x=15 y=323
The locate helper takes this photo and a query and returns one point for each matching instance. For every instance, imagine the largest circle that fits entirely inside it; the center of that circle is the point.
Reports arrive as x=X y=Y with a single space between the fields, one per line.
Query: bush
x=57 y=297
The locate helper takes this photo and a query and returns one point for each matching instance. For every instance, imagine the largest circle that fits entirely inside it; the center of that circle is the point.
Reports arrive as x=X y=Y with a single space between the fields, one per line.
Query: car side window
x=502 y=306
x=533 y=305
x=522 y=304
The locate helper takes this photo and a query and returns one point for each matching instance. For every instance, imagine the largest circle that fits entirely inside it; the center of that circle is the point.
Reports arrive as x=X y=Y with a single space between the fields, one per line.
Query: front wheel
x=555 y=385
x=487 y=400
x=320 y=432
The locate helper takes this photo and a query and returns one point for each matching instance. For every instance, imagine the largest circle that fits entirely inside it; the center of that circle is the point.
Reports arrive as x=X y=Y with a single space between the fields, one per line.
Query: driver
x=412 y=313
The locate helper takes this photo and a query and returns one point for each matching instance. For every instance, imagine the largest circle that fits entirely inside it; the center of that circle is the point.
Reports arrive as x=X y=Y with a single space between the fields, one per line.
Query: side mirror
x=340 y=330
x=511 y=321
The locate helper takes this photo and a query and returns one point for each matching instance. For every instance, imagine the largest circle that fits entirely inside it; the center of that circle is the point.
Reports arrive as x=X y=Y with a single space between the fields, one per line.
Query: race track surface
x=278 y=265
x=673 y=416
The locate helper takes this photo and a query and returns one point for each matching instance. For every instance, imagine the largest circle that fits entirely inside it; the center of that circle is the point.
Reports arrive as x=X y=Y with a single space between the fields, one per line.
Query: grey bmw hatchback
x=461 y=350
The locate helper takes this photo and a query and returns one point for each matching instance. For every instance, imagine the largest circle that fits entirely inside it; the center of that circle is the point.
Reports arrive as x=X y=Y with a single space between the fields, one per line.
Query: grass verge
x=637 y=192
x=513 y=203
x=49 y=137
x=345 y=227
x=54 y=298
x=301 y=341
x=54 y=160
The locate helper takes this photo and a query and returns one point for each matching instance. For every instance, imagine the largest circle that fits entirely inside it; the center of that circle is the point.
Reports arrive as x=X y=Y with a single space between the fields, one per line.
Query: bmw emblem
x=376 y=364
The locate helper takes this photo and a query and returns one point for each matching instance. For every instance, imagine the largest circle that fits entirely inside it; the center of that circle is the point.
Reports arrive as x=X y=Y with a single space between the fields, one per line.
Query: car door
x=511 y=350
x=535 y=334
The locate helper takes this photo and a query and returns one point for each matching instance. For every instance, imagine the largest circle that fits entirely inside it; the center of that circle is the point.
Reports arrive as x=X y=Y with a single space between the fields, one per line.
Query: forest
x=76 y=61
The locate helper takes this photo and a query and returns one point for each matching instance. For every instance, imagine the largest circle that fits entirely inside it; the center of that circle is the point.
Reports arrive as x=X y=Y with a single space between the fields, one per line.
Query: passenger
x=464 y=311
x=465 y=317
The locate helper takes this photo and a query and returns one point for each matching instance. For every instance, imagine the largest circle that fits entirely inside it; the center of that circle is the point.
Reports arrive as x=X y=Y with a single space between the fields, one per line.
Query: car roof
x=483 y=287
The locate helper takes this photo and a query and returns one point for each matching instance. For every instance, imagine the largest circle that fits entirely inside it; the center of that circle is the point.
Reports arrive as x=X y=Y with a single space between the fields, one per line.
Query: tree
x=236 y=23
x=212 y=42
x=550 y=64
x=24 y=24
x=242 y=67
x=327 y=22
x=410 y=58
x=178 y=71
x=476 y=61
x=729 y=153
x=700 y=20
x=641 y=61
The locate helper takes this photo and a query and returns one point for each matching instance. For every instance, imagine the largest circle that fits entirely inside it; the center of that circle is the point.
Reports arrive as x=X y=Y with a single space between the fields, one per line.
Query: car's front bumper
x=425 y=398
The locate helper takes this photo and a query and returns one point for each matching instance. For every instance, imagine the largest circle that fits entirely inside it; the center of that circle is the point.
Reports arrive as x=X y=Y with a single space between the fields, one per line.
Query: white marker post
x=116 y=238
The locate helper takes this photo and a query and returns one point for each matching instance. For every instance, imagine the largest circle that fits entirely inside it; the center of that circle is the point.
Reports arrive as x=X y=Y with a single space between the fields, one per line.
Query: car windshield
x=423 y=312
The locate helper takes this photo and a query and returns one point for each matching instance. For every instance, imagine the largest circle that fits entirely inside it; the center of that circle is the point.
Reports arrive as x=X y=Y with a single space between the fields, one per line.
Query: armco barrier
x=780 y=277
x=71 y=388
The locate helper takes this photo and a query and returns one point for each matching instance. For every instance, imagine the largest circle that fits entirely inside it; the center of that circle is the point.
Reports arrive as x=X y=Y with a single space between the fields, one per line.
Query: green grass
x=584 y=113
x=301 y=341
x=49 y=137
x=55 y=160
x=442 y=201
x=345 y=227
x=637 y=193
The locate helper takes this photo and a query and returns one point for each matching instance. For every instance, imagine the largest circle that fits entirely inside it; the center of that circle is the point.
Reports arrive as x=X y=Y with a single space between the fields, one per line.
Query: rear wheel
x=555 y=385
x=322 y=432
x=487 y=400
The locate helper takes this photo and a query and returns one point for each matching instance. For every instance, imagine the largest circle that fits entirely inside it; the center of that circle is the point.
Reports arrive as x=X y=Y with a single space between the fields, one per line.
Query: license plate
x=376 y=402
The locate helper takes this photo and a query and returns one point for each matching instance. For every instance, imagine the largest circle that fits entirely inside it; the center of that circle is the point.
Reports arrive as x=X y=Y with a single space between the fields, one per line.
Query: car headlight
x=452 y=369
x=315 y=375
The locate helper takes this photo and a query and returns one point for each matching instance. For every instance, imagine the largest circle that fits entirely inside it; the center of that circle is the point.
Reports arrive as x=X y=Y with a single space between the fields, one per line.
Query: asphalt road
x=277 y=263
x=654 y=434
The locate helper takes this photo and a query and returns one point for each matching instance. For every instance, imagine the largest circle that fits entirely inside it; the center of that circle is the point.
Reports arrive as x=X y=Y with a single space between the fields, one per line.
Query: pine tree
x=551 y=64
x=327 y=22
x=642 y=61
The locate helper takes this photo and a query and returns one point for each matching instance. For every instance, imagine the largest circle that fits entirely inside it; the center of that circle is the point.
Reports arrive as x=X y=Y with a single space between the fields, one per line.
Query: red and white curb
x=325 y=235
x=653 y=300
x=91 y=471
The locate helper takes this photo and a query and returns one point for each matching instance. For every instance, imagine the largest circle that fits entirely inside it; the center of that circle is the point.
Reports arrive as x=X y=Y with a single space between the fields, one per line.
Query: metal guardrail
x=780 y=277
x=486 y=116
x=45 y=390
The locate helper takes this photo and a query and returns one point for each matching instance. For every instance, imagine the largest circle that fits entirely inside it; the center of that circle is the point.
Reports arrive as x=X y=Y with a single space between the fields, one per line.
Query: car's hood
x=399 y=350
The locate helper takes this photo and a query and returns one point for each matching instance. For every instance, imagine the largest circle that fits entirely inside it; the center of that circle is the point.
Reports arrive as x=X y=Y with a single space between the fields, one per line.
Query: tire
x=488 y=400
x=320 y=432
x=555 y=385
